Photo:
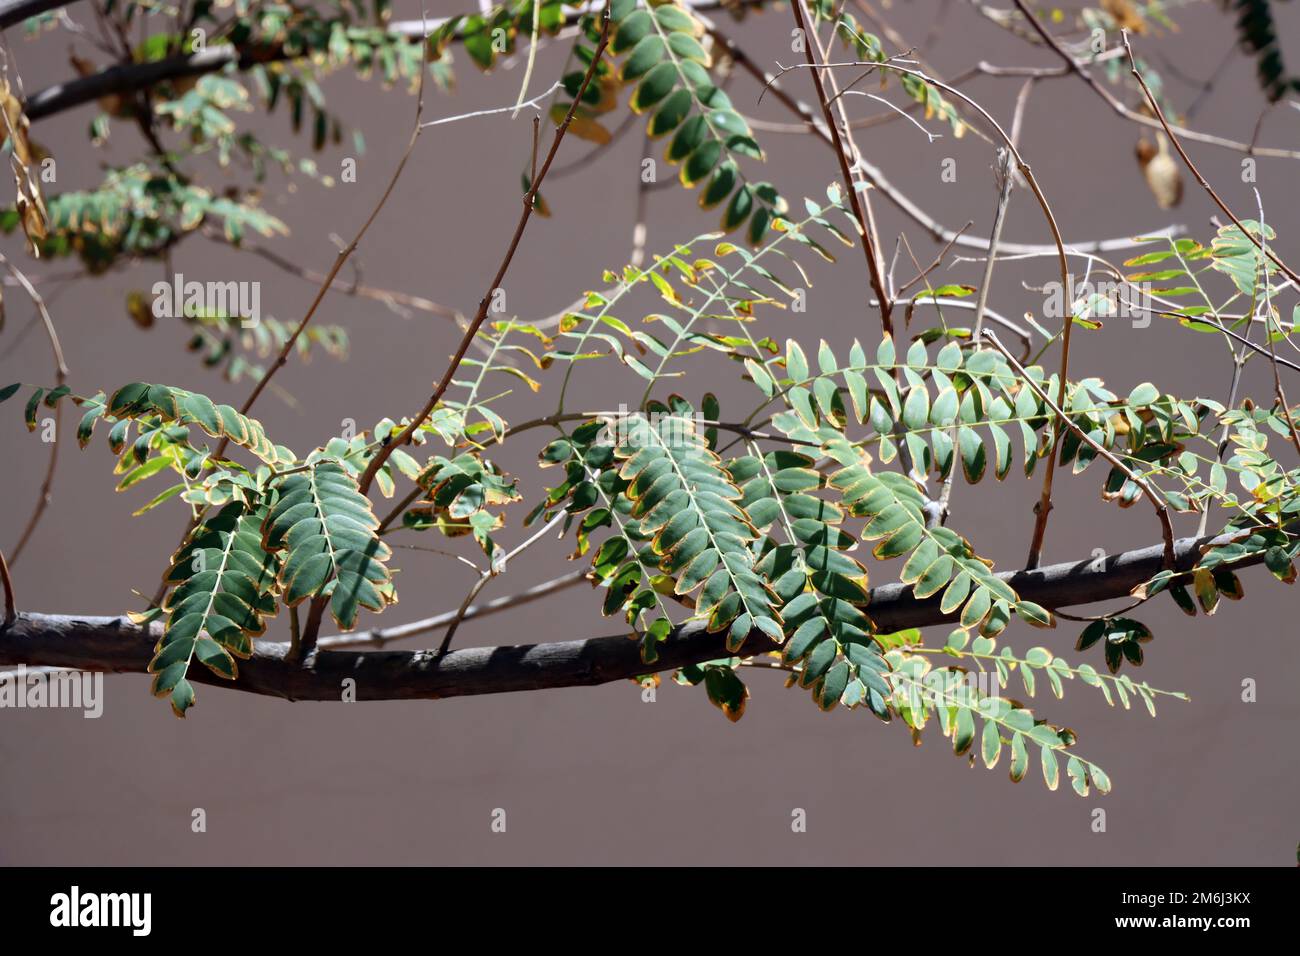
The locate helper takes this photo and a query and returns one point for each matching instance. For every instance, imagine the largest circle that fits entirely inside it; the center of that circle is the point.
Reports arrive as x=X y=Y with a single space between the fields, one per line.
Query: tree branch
x=846 y=153
x=115 y=645
x=127 y=78
x=16 y=11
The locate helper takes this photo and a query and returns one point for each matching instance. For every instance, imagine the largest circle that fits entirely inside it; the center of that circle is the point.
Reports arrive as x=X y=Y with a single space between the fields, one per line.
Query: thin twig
x=495 y=567
x=513 y=110
x=394 y=300
x=11 y=611
x=1278 y=390
x=860 y=202
x=381 y=637
x=938 y=260
x=532 y=57
x=1162 y=510
x=1196 y=173
x=529 y=204
x=1005 y=180
x=1134 y=116
x=343 y=255
x=44 y=496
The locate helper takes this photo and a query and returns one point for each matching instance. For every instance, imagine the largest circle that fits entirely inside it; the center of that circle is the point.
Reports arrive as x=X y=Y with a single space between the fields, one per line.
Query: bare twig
x=512 y=110
x=44 y=496
x=7 y=582
x=394 y=300
x=532 y=57
x=846 y=153
x=1135 y=117
x=1005 y=180
x=529 y=204
x=938 y=260
x=877 y=178
x=1278 y=390
x=382 y=636
x=495 y=567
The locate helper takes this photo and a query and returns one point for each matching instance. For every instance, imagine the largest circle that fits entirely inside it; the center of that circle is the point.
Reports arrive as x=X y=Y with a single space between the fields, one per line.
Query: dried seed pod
x=1163 y=176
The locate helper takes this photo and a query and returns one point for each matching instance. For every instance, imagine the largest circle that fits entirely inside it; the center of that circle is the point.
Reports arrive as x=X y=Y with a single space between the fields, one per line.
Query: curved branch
x=115 y=645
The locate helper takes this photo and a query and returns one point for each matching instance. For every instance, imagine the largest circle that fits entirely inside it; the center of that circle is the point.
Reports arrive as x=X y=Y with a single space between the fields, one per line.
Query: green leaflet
x=223 y=586
x=682 y=495
x=937 y=558
x=821 y=589
x=326 y=529
x=667 y=69
x=955 y=409
x=623 y=563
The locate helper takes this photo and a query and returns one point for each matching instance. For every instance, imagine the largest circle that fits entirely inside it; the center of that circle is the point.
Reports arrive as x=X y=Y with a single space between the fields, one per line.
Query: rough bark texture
x=115 y=645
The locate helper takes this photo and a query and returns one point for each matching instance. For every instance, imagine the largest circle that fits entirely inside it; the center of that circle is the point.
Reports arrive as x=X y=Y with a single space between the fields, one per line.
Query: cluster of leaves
x=960 y=701
x=461 y=494
x=144 y=209
x=704 y=291
x=326 y=528
x=223 y=582
x=489 y=36
x=309 y=534
x=757 y=544
x=706 y=294
x=675 y=523
x=226 y=342
x=959 y=405
x=658 y=53
x=303 y=531
x=139 y=211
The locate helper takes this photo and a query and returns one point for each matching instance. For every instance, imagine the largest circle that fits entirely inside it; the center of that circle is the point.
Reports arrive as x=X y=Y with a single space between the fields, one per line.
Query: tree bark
x=115 y=645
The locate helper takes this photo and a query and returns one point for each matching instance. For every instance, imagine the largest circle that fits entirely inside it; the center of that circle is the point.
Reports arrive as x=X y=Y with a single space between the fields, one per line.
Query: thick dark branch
x=113 y=644
x=16 y=11
x=130 y=77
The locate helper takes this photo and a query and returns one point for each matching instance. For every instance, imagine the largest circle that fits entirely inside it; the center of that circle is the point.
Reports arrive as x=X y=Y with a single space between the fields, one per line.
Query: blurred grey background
x=596 y=775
